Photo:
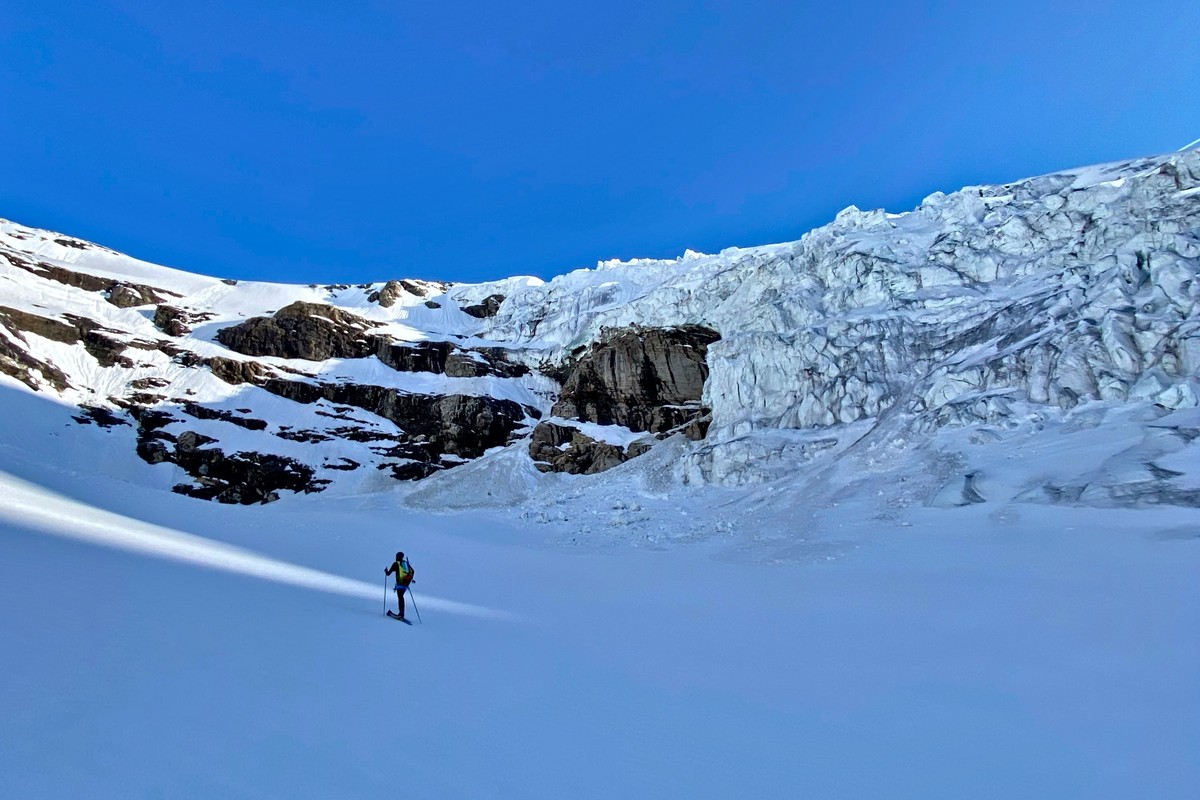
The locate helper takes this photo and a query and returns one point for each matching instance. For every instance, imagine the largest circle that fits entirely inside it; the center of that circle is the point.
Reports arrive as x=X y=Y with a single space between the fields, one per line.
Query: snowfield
x=156 y=645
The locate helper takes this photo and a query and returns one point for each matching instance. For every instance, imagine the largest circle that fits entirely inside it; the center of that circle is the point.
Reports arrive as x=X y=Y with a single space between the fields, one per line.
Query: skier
x=404 y=576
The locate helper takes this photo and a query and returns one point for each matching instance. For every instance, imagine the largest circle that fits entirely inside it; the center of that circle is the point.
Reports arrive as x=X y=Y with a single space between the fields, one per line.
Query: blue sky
x=310 y=141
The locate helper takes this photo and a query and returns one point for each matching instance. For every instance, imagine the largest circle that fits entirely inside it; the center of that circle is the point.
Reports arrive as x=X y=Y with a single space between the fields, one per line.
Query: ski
x=397 y=616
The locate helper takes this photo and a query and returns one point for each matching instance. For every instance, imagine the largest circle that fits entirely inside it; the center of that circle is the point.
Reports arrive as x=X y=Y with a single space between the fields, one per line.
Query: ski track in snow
x=31 y=506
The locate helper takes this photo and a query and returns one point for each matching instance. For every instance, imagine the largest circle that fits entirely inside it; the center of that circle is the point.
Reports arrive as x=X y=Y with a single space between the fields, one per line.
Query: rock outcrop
x=122 y=294
x=176 y=321
x=311 y=331
x=392 y=291
x=315 y=332
x=462 y=426
x=561 y=448
x=644 y=379
x=490 y=307
x=241 y=478
x=444 y=358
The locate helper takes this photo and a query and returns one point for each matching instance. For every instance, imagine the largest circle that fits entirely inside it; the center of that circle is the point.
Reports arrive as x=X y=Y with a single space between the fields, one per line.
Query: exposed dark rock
x=697 y=428
x=355 y=434
x=432 y=304
x=640 y=447
x=98 y=415
x=184 y=358
x=416 y=356
x=412 y=470
x=559 y=448
x=21 y=322
x=243 y=477
x=189 y=441
x=390 y=293
x=646 y=379
x=109 y=352
x=120 y=293
x=461 y=425
x=149 y=383
x=143 y=399
x=446 y=358
x=344 y=464
x=497 y=359
x=76 y=243
x=306 y=436
x=94 y=337
x=33 y=372
x=175 y=321
x=422 y=288
x=150 y=420
x=310 y=331
x=131 y=295
x=315 y=332
x=153 y=451
x=229 y=281
x=488 y=308
x=236 y=372
x=194 y=409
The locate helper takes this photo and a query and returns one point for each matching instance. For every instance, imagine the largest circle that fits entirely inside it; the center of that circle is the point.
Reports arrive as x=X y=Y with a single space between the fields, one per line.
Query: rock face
x=392 y=291
x=490 y=307
x=435 y=426
x=316 y=332
x=175 y=321
x=122 y=294
x=311 y=331
x=644 y=379
x=443 y=358
x=241 y=478
x=560 y=448
x=459 y=425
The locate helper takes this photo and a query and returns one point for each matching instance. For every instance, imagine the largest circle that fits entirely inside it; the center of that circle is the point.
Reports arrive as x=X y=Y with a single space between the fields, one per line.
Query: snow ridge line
x=31 y=506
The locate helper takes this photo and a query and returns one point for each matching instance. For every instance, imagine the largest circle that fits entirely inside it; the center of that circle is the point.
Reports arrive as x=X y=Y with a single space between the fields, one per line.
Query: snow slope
x=1050 y=655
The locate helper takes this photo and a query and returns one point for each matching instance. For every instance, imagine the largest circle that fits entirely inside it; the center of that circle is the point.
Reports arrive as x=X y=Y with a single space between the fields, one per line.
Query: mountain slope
x=1050 y=302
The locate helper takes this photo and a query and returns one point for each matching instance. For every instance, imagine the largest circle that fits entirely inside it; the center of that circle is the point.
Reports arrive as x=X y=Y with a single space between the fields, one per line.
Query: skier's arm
x=390 y=570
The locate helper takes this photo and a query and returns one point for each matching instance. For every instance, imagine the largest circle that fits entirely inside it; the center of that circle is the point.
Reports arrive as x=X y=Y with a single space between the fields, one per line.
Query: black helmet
x=399 y=556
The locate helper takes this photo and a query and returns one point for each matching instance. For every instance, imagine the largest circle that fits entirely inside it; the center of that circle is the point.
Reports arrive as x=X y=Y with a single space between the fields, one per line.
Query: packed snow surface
x=155 y=645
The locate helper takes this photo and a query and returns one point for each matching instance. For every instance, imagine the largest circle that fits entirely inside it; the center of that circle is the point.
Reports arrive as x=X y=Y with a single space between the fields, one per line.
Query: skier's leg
x=400 y=599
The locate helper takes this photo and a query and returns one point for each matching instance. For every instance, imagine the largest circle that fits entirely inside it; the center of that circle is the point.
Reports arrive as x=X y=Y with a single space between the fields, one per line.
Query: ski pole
x=385 y=594
x=414 y=602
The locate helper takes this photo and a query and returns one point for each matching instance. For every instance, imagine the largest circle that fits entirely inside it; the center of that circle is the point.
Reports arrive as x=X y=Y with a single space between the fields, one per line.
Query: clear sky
x=353 y=141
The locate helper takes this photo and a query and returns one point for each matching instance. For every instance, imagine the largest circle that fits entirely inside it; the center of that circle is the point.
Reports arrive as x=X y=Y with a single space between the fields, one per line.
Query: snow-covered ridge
x=984 y=308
